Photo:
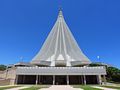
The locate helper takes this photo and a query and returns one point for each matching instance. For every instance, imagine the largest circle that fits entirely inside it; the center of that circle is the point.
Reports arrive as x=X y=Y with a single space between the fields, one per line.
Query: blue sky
x=25 y=24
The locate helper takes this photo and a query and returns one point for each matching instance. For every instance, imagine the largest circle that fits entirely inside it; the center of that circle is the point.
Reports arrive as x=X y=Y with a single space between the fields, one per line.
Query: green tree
x=95 y=64
x=113 y=74
x=2 y=67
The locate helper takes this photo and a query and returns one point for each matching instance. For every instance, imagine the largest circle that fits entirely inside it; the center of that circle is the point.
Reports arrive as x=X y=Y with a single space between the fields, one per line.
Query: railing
x=61 y=70
x=36 y=67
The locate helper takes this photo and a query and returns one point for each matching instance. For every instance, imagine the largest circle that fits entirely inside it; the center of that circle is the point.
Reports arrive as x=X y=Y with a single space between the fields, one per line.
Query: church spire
x=60 y=48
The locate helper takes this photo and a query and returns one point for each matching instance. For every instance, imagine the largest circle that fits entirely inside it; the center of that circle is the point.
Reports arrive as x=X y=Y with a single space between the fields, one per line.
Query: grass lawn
x=113 y=87
x=8 y=87
x=36 y=87
x=85 y=87
x=32 y=88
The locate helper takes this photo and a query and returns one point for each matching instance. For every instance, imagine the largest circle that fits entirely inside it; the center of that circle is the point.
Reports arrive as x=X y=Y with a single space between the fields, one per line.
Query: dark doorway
x=91 y=79
x=60 y=80
x=45 y=80
x=26 y=79
x=74 y=80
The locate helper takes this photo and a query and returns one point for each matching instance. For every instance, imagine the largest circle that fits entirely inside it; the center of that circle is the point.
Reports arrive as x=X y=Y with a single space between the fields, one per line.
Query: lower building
x=54 y=75
x=60 y=75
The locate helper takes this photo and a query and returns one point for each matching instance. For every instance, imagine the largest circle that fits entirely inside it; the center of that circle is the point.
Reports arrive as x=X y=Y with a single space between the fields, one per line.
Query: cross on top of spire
x=60 y=12
x=60 y=8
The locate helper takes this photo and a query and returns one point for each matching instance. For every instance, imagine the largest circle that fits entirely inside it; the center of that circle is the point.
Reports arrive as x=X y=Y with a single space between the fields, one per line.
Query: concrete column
x=84 y=77
x=99 y=80
x=104 y=77
x=6 y=74
x=67 y=79
x=53 y=63
x=68 y=63
x=36 y=79
x=53 y=79
x=16 y=79
x=39 y=81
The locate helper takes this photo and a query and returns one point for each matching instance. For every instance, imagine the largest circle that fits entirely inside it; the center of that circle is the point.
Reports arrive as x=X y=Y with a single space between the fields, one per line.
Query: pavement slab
x=18 y=88
x=61 y=87
x=103 y=88
x=6 y=86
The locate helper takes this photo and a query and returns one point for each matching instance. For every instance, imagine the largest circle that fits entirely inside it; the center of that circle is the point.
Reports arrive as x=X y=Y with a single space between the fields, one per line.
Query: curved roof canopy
x=60 y=47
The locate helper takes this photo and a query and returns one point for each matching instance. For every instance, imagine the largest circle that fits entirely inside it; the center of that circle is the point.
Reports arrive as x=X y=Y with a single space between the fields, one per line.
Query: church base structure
x=60 y=75
x=58 y=79
x=54 y=75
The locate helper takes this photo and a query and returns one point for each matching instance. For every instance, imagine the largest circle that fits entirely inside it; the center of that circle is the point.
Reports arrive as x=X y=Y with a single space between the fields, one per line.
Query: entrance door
x=60 y=80
x=26 y=79
x=45 y=79
x=75 y=80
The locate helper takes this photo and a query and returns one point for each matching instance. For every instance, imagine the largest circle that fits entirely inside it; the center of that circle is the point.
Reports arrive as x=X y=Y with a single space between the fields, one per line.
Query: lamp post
x=98 y=57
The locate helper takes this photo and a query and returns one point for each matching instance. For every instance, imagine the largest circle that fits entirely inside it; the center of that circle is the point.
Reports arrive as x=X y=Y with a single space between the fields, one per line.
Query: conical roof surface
x=60 y=47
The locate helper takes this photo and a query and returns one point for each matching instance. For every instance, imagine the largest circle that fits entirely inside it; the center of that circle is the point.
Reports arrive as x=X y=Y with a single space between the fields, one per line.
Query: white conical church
x=59 y=62
x=60 y=48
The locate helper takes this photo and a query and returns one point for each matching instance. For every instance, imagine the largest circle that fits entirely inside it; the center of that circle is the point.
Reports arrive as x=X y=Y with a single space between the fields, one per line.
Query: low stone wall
x=4 y=82
x=2 y=74
x=8 y=76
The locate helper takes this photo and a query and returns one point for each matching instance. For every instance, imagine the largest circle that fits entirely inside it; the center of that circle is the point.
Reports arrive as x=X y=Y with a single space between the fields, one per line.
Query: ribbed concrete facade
x=60 y=48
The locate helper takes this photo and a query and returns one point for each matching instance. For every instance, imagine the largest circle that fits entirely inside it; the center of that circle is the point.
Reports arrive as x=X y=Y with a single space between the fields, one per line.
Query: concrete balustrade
x=61 y=71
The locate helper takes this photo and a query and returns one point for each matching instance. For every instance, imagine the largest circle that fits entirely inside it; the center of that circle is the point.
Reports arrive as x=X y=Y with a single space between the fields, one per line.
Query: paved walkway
x=60 y=87
x=18 y=88
x=7 y=85
x=103 y=88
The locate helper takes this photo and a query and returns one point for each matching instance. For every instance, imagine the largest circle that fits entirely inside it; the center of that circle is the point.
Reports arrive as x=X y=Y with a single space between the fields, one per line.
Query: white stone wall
x=9 y=74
